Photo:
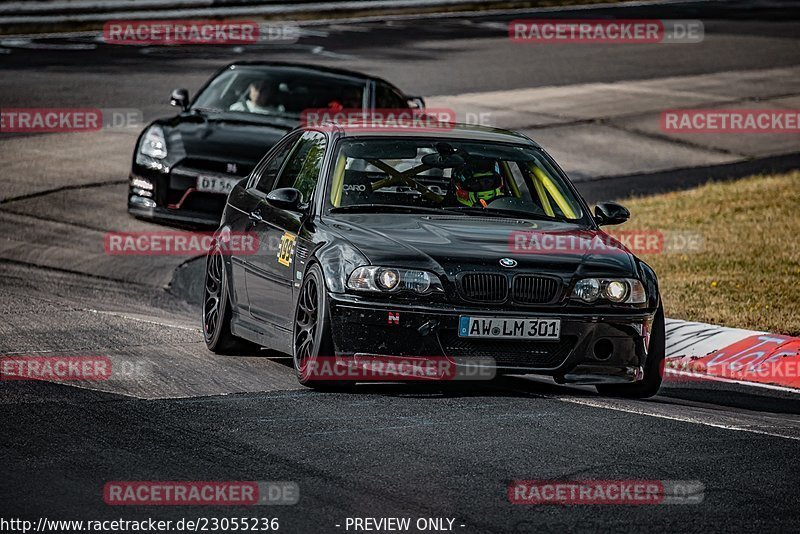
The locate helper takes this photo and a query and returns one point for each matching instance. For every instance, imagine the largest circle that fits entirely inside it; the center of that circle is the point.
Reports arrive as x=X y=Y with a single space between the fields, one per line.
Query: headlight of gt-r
x=616 y=290
x=154 y=144
x=391 y=280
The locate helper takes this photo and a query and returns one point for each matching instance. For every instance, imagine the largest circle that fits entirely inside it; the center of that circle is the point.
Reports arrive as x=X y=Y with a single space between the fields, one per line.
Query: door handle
x=255 y=216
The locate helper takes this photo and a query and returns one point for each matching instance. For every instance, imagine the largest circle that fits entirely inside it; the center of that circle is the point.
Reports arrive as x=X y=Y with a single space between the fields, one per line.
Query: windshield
x=279 y=91
x=468 y=176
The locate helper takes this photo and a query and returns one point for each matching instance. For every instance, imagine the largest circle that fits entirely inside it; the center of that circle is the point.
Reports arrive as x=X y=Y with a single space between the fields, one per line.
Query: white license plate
x=216 y=184
x=509 y=328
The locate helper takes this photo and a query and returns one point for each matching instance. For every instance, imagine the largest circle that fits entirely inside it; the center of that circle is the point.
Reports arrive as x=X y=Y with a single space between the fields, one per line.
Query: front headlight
x=154 y=144
x=587 y=290
x=616 y=290
x=390 y=280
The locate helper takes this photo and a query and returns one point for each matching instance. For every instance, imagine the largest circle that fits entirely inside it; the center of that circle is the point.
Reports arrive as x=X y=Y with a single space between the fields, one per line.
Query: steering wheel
x=404 y=178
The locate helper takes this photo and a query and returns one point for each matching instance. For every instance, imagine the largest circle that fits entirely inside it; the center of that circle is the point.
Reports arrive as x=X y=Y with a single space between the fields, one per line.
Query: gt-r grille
x=510 y=353
x=203 y=166
x=485 y=287
x=534 y=289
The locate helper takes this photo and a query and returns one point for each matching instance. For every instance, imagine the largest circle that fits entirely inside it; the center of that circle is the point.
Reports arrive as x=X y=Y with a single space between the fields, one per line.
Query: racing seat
x=357 y=187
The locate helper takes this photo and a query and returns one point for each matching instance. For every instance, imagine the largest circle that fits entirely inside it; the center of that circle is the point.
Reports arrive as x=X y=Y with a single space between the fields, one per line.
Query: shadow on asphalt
x=733 y=396
x=715 y=393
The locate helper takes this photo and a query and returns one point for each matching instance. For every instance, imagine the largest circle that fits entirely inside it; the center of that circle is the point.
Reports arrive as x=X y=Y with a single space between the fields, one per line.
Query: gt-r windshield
x=279 y=91
x=382 y=175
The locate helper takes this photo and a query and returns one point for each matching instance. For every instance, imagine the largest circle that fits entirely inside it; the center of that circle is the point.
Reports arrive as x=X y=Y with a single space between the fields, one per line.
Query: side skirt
x=267 y=335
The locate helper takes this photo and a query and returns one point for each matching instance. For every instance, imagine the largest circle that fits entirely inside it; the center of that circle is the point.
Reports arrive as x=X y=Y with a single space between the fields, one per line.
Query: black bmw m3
x=184 y=167
x=464 y=244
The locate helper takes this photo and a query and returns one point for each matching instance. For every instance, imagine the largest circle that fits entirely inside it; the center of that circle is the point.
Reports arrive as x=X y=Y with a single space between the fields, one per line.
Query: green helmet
x=477 y=181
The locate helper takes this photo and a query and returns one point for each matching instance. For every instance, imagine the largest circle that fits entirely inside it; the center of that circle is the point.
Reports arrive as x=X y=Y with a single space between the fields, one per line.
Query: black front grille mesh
x=534 y=289
x=493 y=288
x=201 y=166
x=509 y=353
x=485 y=287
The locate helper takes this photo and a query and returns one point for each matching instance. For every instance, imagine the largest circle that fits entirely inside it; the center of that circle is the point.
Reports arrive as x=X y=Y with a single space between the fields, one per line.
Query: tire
x=311 y=334
x=217 y=310
x=653 y=368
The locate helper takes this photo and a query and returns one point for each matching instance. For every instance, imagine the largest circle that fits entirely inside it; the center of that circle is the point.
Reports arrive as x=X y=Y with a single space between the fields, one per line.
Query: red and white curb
x=698 y=351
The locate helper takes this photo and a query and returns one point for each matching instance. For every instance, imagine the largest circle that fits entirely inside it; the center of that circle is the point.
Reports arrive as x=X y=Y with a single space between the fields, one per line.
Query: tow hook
x=428 y=327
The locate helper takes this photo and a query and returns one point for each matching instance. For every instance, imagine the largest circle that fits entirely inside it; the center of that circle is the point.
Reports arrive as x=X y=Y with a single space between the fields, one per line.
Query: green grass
x=748 y=272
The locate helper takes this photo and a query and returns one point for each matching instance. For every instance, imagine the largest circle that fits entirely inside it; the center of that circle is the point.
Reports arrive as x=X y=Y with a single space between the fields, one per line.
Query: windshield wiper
x=486 y=212
x=494 y=212
x=383 y=208
x=472 y=209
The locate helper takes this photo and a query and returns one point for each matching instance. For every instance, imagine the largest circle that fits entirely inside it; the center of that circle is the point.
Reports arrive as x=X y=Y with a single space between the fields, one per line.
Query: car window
x=371 y=172
x=279 y=91
x=303 y=166
x=389 y=98
x=270 y=171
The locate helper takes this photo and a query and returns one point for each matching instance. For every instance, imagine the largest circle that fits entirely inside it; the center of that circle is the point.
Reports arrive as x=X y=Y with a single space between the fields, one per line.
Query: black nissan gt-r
x=464 y=243
x=184 y=167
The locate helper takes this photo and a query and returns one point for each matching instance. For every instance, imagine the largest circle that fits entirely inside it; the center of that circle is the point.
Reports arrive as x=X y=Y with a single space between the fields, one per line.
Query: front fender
x=650 y=281
x=337 y=260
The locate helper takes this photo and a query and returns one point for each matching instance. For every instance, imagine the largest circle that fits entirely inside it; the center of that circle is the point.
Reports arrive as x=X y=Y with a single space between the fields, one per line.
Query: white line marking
x=712 y=378
x=50 y=351
x=27 y=44
x=693 y=420
x=141 y=320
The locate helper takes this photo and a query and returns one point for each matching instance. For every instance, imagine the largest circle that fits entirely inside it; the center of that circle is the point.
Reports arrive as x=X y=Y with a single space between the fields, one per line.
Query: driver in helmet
x=477 y=183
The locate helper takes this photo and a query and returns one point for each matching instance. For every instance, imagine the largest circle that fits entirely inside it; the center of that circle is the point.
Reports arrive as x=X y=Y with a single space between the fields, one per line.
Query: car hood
x=224 y=137
x=457 y=243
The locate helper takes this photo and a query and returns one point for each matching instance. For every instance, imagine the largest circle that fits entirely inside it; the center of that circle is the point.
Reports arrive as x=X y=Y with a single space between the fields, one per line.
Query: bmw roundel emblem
x=508 y=262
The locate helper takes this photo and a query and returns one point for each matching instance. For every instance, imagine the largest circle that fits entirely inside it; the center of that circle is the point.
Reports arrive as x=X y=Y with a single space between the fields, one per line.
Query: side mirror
x=610 y=213
x=416 y=102
x=285 y=198
x=180 y=98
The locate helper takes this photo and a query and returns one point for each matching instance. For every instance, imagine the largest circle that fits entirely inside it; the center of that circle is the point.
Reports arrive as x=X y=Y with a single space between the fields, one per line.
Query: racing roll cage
x=543 y=184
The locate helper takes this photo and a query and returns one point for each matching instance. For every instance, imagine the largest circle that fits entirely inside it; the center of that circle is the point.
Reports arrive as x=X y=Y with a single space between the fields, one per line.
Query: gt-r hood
x=456 y=243
x=225 y=137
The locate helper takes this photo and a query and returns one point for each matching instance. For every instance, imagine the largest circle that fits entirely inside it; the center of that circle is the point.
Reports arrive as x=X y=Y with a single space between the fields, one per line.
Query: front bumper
x=172 y=198
x=157 y=213
x=593 y=348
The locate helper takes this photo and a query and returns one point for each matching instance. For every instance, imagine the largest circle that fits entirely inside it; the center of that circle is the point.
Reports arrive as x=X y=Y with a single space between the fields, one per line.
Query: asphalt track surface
x=381 y=451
